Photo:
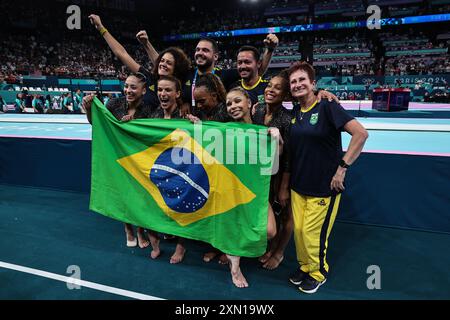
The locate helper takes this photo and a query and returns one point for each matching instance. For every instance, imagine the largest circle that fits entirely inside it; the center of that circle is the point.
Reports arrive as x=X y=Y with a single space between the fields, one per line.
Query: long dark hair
x=140 y=76
x=285 y=87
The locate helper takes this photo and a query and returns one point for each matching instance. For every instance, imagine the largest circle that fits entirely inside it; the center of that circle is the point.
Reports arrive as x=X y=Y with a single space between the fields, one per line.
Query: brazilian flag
x=193 y=181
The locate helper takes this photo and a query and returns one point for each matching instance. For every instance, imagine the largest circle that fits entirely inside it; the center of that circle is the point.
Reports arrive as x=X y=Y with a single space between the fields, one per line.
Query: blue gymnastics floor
x=387 y=135
x=394 y=215
x=50 y=230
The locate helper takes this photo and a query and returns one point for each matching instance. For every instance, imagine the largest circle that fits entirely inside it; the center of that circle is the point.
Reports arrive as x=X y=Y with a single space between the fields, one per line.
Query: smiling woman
x=272 y=114
x=130 y=106
x=238 y=105
x=171 y=61
x=134 y=90
x=317 y=171
x=169 y=92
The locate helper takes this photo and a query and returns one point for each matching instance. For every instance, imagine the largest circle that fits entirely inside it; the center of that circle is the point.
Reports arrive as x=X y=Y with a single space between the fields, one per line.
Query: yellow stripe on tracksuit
x=313 y=220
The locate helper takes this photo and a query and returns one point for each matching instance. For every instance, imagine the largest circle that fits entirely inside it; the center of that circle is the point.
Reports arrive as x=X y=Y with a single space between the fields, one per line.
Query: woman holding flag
x=210 y=96
x=238 y=105
x=131 y=106
x=169 y=96
x=273 y=114
x=171 y=61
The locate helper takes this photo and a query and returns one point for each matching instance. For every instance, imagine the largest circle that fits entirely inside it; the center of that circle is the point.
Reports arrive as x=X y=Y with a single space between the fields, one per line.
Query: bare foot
x=155 y=248
x=223 y=259
x=236 y=274
x=178 y=256
x=142 y=241
x=131 y=239
x=273 y=262
x=239 y=279
x=207 y=257
x=266 y=256
x=131 y=243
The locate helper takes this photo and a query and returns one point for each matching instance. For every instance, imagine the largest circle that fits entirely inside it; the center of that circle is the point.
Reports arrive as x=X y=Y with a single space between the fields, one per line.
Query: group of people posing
x=304 y=194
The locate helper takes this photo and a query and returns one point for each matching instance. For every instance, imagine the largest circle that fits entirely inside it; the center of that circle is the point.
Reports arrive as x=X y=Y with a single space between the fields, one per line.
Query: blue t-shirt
x=315 y=147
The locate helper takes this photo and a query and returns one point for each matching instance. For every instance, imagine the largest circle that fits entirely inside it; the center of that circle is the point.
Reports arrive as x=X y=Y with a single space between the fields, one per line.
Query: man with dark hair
x=206 y=56
x=248 y=64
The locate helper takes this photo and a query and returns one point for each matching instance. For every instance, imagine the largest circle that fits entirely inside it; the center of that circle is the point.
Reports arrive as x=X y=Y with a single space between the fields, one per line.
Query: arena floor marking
x=83 y=283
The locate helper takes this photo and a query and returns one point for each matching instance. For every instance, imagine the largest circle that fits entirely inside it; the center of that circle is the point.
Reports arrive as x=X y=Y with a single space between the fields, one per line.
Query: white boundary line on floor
x=83 y=283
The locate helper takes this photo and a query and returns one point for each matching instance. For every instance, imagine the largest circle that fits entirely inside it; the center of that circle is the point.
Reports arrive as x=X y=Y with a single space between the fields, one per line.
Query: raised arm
x=118 y=50
x=151 y=51
x=270 y=42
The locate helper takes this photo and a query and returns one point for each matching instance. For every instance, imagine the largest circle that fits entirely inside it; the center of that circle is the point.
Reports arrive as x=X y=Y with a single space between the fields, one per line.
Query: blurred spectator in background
x=3 y=106
x=19 y=105
x=37 y=104
x=77 y=100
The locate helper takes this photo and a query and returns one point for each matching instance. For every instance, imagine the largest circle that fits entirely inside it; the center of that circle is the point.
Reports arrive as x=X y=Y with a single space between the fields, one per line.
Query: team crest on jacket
x=314 y=118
